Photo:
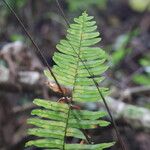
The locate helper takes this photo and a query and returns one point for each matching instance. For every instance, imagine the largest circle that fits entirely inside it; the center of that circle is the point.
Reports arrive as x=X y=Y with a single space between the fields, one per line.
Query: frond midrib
x=78 y=55
x=75 y=77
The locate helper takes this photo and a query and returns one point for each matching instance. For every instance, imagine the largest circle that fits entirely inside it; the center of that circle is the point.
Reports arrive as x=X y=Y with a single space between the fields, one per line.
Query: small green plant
x=54 y=121
x=17 y=3
x=120 y=47
x=78 y=4
x=143 y=79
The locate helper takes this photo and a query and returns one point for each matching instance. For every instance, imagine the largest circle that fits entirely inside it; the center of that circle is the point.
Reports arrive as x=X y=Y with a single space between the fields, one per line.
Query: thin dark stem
x=96 y=84
x=35 y=45
x=66 y=127
x=62 y=12
x=40 y=52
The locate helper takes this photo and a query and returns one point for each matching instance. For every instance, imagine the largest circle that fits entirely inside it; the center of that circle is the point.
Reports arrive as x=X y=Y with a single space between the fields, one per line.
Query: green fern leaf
x=73 y=52
x=53 y=122
x=50 y=125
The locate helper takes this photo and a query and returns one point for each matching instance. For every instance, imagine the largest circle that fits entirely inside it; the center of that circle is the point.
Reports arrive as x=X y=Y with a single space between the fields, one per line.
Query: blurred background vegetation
x=125 y=30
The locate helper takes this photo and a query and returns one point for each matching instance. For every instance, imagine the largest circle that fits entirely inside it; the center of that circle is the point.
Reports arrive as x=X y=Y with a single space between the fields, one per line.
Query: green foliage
x=75 y=5
x=54 y=121
x=17 y=37
x=72 y=72
x=140 y=5
x=143 y=79
x=17 y=3
x=52 y=127
x=120 y=47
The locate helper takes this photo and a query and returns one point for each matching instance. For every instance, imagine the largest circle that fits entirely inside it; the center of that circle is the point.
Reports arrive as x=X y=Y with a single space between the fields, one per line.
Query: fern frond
x=74 y=54
x=53 y=121
x=50 y=124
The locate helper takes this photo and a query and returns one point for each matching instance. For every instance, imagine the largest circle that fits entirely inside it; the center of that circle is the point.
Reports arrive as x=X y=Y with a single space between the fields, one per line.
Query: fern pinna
x=55 y=121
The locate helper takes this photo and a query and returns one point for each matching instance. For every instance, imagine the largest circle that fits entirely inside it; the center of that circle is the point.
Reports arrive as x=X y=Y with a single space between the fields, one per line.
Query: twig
x=24 y=108
x=135 y=90
x=135 y=116
x=27 y=80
